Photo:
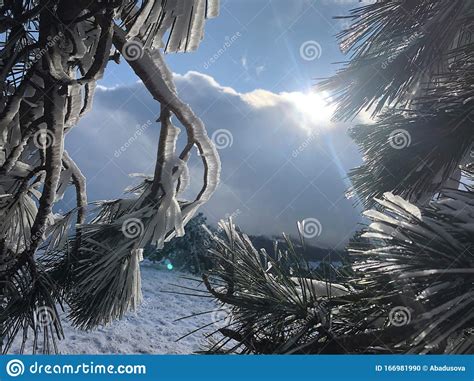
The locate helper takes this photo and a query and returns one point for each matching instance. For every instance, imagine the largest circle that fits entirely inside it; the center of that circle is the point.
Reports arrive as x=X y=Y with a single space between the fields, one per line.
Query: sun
x=314 y=108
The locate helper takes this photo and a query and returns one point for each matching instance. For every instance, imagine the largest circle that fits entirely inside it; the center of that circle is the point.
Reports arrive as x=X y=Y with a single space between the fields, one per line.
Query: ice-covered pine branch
x=57 y=51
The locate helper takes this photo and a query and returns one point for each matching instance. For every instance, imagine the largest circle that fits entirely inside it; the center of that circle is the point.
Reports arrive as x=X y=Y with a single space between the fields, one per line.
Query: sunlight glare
x=314 y=108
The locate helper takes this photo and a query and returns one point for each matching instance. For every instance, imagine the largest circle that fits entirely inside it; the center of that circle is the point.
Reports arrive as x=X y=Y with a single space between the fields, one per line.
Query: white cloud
x=274 y=174
x=259 y=69
x=244 y=62
x=313 y=109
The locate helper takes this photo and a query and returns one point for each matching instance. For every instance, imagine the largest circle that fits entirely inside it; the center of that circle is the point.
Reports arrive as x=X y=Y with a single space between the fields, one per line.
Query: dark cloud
x=287 y=162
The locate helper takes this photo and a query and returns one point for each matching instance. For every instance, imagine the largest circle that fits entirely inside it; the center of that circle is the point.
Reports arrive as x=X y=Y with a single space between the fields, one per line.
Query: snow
x=152 y=329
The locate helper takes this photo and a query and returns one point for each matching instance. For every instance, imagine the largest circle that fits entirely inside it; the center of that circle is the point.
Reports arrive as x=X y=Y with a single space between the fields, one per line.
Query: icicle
x=405 y=205
x=183 y=18
x=184 y=179
x=64 y=181
x=74 y=106
x=140 y=20
x=212 y=8
x=157 y=78
x=136 y=296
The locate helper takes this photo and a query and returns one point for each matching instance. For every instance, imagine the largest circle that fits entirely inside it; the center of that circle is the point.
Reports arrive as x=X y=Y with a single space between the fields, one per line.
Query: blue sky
x=286 y=161
x=272 y=32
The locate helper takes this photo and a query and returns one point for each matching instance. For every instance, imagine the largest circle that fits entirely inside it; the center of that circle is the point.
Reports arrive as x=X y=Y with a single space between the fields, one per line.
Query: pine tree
x=411 y=67
x=416 y=258
x=52 y=54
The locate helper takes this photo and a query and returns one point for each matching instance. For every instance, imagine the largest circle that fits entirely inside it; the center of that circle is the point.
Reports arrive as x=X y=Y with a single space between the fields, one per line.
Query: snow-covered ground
x=152 y=329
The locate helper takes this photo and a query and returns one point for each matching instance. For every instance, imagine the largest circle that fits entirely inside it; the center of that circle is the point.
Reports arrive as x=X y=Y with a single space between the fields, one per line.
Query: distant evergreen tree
x=189 y=253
